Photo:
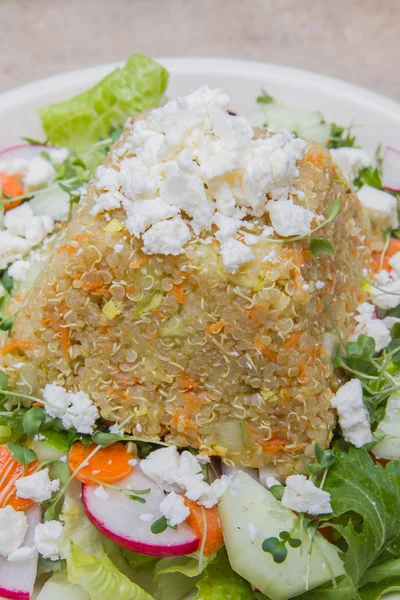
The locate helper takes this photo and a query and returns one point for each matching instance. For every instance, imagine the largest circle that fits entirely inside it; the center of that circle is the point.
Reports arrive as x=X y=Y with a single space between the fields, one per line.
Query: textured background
x=356 y=40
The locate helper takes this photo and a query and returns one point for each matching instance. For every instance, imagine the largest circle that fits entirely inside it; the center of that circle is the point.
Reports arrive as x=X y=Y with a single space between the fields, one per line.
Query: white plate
x=376 y=119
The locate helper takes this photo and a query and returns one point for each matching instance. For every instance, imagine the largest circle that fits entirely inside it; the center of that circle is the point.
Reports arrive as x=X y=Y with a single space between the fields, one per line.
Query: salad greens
x=92 y=115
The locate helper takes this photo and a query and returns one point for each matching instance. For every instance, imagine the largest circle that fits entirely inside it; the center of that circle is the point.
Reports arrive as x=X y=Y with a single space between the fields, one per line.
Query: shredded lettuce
x=175 y=577
x=220 y=582
x=92 y=115
x=101 y=579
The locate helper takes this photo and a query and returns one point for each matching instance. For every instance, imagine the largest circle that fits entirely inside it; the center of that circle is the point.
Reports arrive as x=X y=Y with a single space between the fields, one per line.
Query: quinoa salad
x=199 y=351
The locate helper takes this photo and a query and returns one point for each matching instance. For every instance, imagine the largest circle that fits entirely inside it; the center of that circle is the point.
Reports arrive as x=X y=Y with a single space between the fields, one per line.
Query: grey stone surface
x=356 y=40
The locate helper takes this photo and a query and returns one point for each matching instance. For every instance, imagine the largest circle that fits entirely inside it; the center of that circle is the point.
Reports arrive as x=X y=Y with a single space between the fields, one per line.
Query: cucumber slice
x=390 y=448
x=253 y=505
x=58 y=586
x=53 y=202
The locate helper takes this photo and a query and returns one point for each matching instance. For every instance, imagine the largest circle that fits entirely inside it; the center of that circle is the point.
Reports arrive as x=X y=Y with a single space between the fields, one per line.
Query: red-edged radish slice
x=391 y=169
x=17 y=579
x=27 y=151
x=118 y=518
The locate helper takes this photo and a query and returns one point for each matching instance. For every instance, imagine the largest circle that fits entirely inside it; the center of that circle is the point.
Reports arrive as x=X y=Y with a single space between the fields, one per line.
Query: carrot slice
x=10 y=471
x=10 y=186
x=108 y=465
x=392 y=249
x=214 y=537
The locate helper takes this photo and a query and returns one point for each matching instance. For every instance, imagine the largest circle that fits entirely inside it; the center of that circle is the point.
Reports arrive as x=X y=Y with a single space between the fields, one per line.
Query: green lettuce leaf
x=366 y=507
x=92 y=115
x=380 y=580
x=175 y=577
x=220 y=582
x=344 y=590
x=101 y=578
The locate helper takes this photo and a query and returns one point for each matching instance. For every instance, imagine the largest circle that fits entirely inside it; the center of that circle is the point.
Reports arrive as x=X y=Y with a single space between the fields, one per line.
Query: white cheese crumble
x=147 y=517
x=19 y=270
x=369 y=324
x=290 y=219
x=394 y=262
x=191 y=165
x=37 y=487
x=353 y=416
x=101 y=493
x=49 y=537
x=182 y=473
x=22 y=554
x=381 y=207
x=302 y=495
x=118 y=248
x=13 y=528
x=40 y=174
x=351 y=161
x=320 y=284
x=386 y=293
x=235 y=254
x=76 y=410
x=174 y=509
x=271 y=482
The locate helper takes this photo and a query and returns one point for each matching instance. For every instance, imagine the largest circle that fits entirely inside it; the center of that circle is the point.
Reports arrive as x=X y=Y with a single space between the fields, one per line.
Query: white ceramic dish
x=376 y=119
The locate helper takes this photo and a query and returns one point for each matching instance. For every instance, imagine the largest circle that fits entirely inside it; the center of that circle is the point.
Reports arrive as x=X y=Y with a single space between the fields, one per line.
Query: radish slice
x=27 y=151
x=17 y=579
x=391 y=169
x=118 y=518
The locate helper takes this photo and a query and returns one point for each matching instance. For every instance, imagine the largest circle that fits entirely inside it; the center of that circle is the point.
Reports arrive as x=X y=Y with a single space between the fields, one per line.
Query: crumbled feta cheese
x=235 y=254
x=162 y=466
x=351 y=161
x=193 y=166
x=271 y=257
x=319 y=285
x=368 y=324
x=75 y=410
x=305 y=287
x=253 y=531
x=118 y=248
x=19 y=270
x=22 y=554
x=353 y=416
x=15 y=166
x=166 y=237
x=40 y=174
x=116 y=429
x=133 y=462
x=381 y=207
x=302 y=495
x=12 y=248
x=139 y=428
x=251 y=239
x=289 y=219
x=37 y=487
x=174 y=509
x=49 y=537
x=58 y=155
x=17 y=219
x=13 y=528
x=394 y=262
x=101 y=493
x=147 y=517
x=388 y=294
x=390 y=322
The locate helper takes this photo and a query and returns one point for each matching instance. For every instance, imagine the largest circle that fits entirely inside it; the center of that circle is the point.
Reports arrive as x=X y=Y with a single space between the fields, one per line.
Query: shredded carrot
x=187 y=382
x=65 y=342
x=179 y=294
x=15 y=345
x=139 y=262
x=70 y=250
x=315 y=157
x=83 y=236
x=272 y=356
x=292 y=340
x=190 y=397
x=215 y=327
x=11 y=187
x=214 y=537
x=108 y=465
x=37 y=404
x=376 y=258
x=10 y=471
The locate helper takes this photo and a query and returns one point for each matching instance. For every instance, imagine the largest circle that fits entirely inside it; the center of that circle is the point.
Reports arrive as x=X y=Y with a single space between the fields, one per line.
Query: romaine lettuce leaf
x=175 y=577
x=101 y=578
x=92 y=115
x=369 y=497
x=220 y=582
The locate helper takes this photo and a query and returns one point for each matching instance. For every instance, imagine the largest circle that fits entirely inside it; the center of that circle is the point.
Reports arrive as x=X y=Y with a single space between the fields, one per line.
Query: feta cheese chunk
x=369 y=325
x=166 y=237
x=351 y=161
x=75 y=410
x=162 y=466
x=301 y=495
x=22 y=554
x=394 y=262
x=37 y=487
x=17 y=219
x=48 y=538
x=353 y=416
x=40 y=174
x=13 y=528
x=19 y=270
x=289 y=219
x=12 y=248
x=381 y=207
x=235 y=254
x=174 y=509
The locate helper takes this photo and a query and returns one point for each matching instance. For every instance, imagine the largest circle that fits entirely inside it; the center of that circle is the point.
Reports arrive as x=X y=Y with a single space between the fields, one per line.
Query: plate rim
x=246 y=68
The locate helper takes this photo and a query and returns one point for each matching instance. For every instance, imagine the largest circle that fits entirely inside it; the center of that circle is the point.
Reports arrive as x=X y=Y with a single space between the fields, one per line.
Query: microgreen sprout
x=321 y=245
x=277 y=547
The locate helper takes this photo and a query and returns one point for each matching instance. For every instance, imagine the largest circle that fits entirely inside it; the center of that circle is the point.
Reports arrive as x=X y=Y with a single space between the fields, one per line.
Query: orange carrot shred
x=215 y=327
x=292 y=340
x=139 y=262
x=214 y=537
x=65 y=342
x=15 y=345
x=179 y=294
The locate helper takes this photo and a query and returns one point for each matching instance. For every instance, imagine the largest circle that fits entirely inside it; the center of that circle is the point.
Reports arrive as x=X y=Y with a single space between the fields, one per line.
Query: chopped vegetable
x=200 y=516
x=107 y=465
x=10 y=471
x=10 y=187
